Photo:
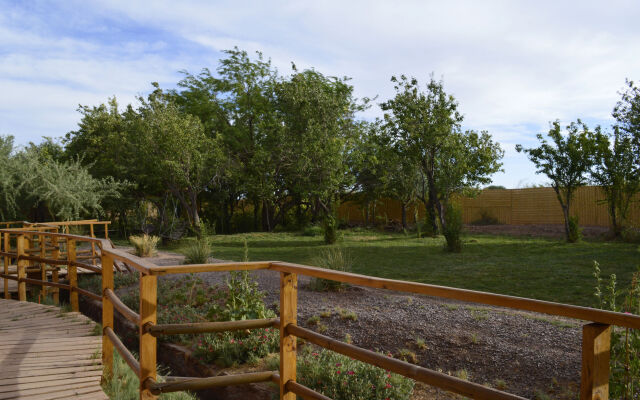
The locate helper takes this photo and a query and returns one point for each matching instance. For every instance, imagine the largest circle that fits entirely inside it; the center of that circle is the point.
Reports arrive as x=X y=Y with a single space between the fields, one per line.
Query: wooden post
x=596 y=343
x=106 y=231
x=107 y=315
x=7 y=261
x=20 y=265
x=93 y=245
x=43 y=266
x=148 y=348
x=288 y=315
x=72 y=274
x=55 y=254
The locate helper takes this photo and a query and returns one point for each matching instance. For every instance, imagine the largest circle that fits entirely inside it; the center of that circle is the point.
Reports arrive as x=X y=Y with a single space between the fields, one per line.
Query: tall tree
x=566 y=160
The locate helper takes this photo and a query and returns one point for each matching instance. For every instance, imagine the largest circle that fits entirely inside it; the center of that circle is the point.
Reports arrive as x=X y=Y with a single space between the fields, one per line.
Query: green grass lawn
x=544 y=269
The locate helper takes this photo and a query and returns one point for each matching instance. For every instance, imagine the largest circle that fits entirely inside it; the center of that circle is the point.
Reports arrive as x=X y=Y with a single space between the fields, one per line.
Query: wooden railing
x=595 y=338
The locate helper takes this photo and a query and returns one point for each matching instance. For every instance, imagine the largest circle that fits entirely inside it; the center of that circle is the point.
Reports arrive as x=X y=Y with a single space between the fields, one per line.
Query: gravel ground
x=520 y=352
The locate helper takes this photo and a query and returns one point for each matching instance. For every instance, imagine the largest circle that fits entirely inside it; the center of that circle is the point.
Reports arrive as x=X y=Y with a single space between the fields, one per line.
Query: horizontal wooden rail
x=415 y=372
x=218 y=267
x=304 y=392
x=176 y=385
x=124 y=352
x=85 y=266
x=87 y=293
x=135 y=262
x=122 y=308
x=207 y=327
x=43 y=260
x=513 y=302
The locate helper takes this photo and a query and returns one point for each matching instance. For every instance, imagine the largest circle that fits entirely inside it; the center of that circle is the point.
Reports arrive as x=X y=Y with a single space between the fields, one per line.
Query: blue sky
x=513 y=66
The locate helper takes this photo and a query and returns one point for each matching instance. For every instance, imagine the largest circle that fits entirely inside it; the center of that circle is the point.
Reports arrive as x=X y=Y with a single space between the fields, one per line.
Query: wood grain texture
x=288 y=317
x=148 y=345
x=596 y=351
x=47 y=355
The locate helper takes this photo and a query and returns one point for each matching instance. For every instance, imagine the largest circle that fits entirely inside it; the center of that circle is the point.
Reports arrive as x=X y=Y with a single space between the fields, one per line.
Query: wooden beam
x=121 y=307
x=181 y=384
x=288 y=316
x=207 y=327
x=72 y=274
x=148 y=346
x=6 y=249
x=596 y=351
x=22 y=286
x=107 y=315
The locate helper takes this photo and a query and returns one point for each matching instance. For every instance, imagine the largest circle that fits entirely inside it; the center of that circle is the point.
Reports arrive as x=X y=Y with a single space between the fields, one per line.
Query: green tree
x=9 y=181
x=617 y=172
x=425 y=126
x=627 y=112
x=566 y=159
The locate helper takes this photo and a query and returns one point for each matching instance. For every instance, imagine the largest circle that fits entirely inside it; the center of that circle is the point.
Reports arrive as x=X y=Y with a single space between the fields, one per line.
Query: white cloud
x=514 y=66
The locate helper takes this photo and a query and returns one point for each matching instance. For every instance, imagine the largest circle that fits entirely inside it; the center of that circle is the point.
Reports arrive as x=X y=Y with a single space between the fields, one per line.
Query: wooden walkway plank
x=47 y=355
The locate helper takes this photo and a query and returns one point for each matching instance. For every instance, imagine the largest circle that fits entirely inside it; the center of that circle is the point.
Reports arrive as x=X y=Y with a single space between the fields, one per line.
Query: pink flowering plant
x=342 y=378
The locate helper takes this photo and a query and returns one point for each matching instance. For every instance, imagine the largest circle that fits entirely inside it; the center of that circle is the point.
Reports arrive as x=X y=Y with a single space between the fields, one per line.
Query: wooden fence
x=509 y=206
x=595 y=338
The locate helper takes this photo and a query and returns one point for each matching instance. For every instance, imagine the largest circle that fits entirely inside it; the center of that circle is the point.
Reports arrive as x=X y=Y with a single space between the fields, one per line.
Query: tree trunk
x=256 y=214
x=404 y=215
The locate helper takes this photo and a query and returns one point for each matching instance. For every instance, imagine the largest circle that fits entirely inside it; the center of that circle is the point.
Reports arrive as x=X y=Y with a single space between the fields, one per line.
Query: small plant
x=408 y=356
x=500 y=384
x=348 y=339
x=313 y=320
x=340 y=377
x=198 y=252
x=474 y=338
x=575 y=232
x=347 y=314
x=453 y=228
x=145 y=245
x=322 y=328
x=326 y=314
x=334 y=258
x=420 y=343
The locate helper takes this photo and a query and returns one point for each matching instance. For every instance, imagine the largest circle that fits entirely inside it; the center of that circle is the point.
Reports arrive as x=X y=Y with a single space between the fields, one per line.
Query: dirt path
x=521 y=352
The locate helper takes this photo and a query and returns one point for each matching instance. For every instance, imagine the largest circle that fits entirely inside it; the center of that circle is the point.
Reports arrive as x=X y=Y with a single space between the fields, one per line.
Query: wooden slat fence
x=509 y=206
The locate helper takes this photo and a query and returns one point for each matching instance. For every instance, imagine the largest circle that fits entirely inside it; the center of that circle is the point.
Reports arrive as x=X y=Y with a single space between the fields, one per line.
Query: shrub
x=625 y=343
x=342 y=378
x=453 y=229
x=575 y=232
x=198 y=252
x=330 y=229
x=145 y=245
x=313 y=230
x=232 y=348
x=335 y=258
x=630 y=235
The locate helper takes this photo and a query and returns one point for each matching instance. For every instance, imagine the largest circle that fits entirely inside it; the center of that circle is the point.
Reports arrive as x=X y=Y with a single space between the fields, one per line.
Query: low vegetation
x=334 y=258
x=145 y=245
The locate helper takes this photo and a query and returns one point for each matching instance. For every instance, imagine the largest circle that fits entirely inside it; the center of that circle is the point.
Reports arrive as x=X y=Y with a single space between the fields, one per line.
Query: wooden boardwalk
x=46 y=354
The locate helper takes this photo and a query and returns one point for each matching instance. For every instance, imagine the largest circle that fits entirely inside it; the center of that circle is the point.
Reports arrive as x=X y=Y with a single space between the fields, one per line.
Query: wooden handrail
x=146 y=320
x=180 y=384
x=122 y=349
x=122 y=308
x=209 y=327
x=415 y=372
x=304 y=392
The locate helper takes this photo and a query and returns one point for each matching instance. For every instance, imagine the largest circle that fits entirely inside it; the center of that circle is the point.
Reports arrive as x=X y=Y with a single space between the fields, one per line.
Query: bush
x=330 y=229
x=198 y=252
x=343 y=378
x=313 y=230
x=625 y=343
x=228 y=349
x=145 y=245
x=453 y=229
x=335 y=258
x=575 y=232
x=630 y=235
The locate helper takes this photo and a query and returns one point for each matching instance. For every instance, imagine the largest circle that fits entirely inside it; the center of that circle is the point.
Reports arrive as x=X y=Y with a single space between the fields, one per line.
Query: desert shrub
x=145 y=245
x=486 y=218
x=625 y=343
x=343 y=378
x=335 y=258
x=453 y=229
x=198 y=252
x=313 y=230
x=575 y=232
x=124 y=384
